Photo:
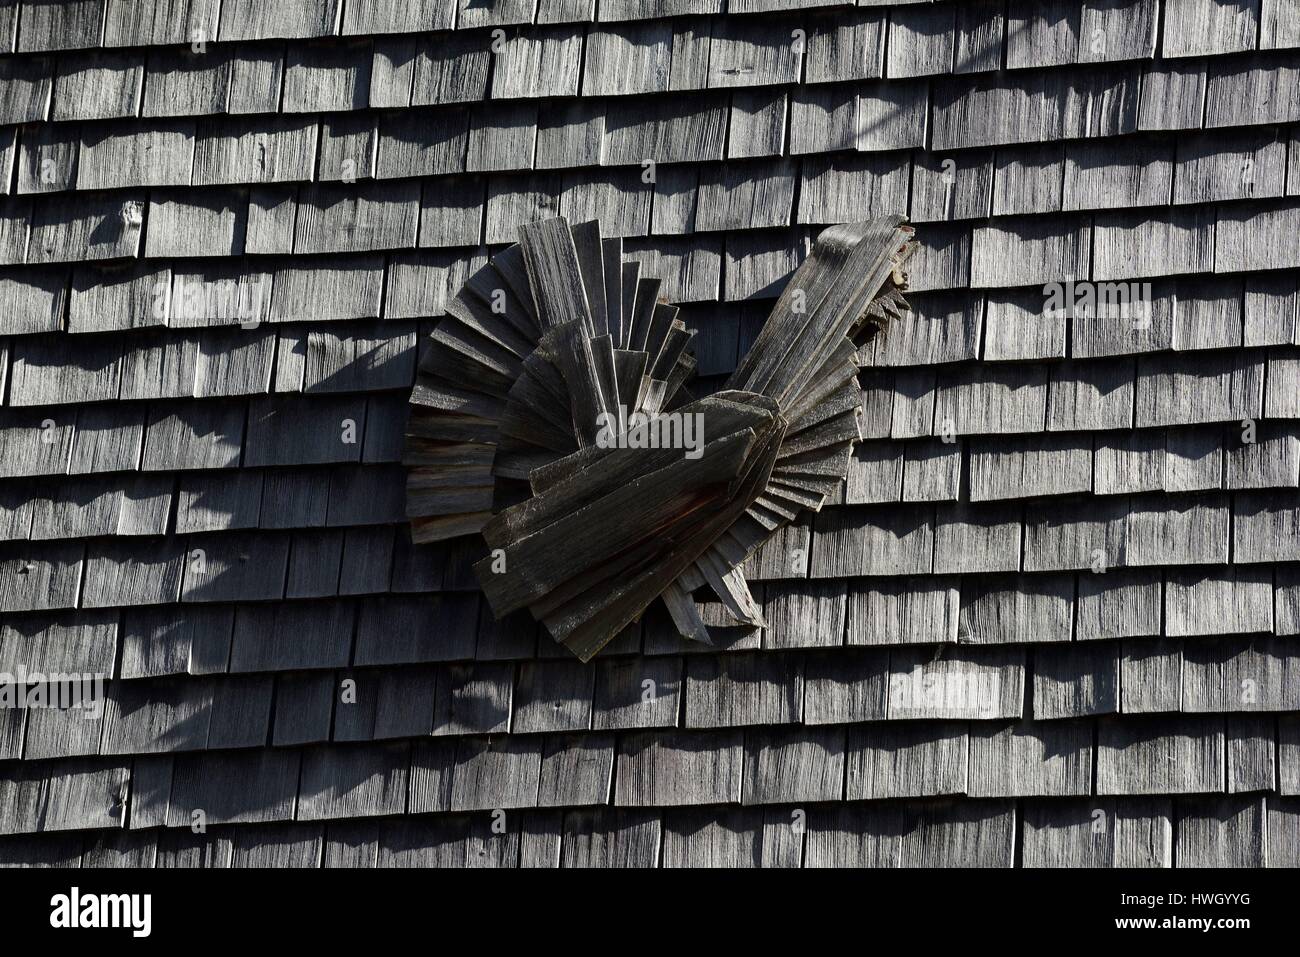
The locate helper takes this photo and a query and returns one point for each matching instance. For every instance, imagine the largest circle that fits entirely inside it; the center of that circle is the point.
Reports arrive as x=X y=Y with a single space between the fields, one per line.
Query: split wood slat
x=591 y=264
x=613 y=261
x=628 y=286
x=643 y=306
x=554 y=274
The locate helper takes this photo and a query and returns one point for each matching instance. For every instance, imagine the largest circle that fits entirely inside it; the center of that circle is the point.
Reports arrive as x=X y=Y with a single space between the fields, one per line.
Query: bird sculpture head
x=550 y=416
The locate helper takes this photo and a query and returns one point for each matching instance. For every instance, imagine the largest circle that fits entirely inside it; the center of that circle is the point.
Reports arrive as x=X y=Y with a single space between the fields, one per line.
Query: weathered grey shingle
x=657 y=769
x=791 y=766
x=906 y=760
x=1040 y=107
x=1105 y=832
x=1160 y=756
x=1225 y=832
x=631 y=58
x=249 y=20
x=61 y=26
x=961 y=834
x=541 y=62
x=1031 y=758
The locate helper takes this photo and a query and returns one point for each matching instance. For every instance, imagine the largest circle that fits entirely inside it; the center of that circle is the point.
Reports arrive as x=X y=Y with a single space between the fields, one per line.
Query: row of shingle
x=1002 y=468
x=1112 y=532
x=650 y=56
x=1040 y=107
x=906 y=396
x=1084 y=320
x=883 y=761
x=226 y=361
x=1237 y=831
x=1089 y=394
x=1150 y=756
x=86 y=24
x=894 y=540
x=661 y=54
x=997 y=469
x=332 y=497
x=1144 y=170
x=412 y=626
x=1121 y=392
x=903 y=691
x=1081 y=320
x=227 y=293
x=1119 y=245
x=1059 y=32
x=271 y=431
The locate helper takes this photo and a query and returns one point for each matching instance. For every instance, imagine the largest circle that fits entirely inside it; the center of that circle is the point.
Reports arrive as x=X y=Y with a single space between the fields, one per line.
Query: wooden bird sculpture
x=549 y=416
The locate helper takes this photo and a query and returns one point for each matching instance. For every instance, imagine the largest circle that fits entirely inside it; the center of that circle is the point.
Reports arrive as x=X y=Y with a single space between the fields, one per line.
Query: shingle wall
x=1051 y=622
